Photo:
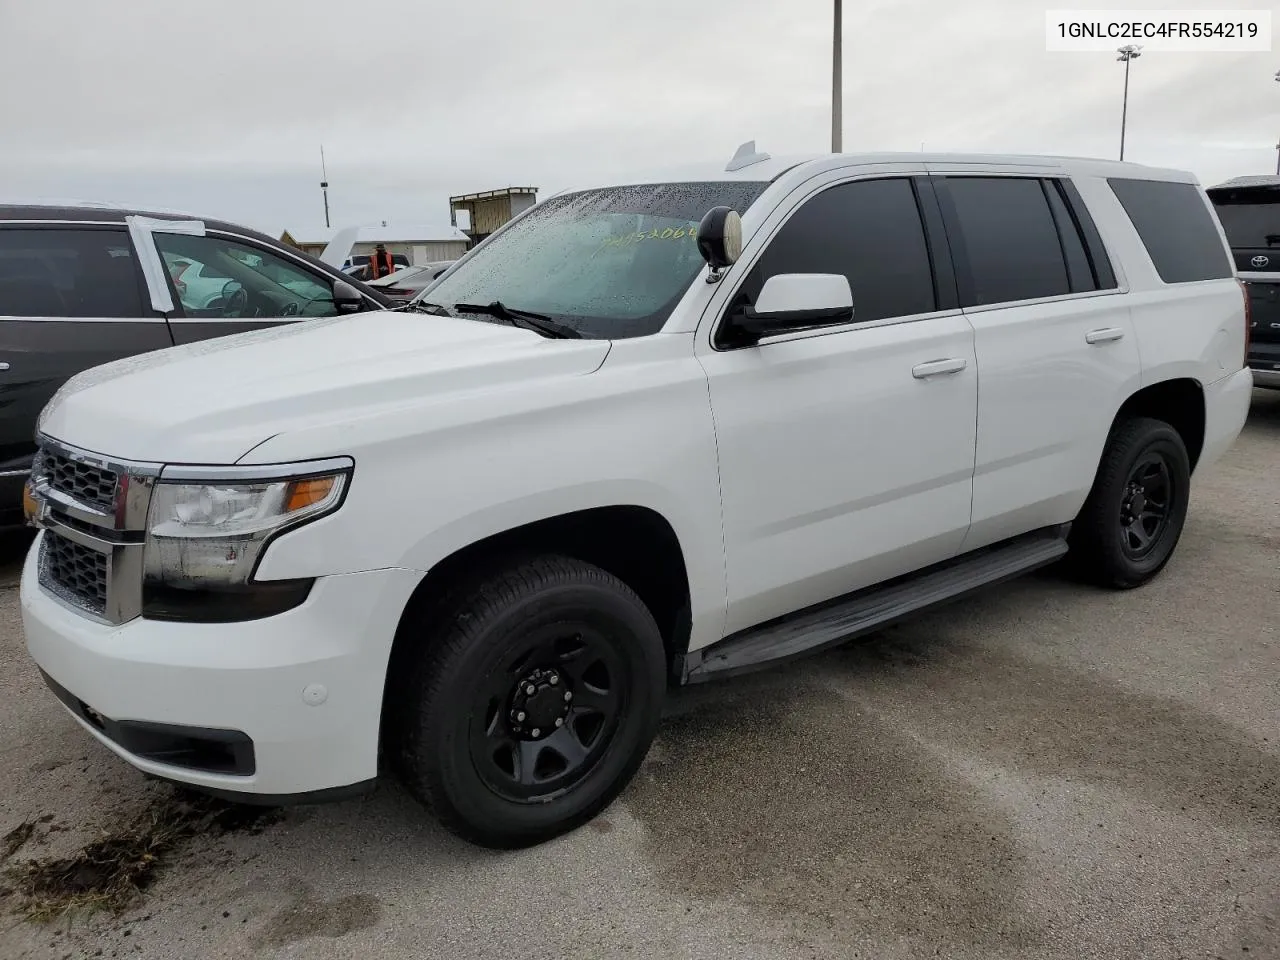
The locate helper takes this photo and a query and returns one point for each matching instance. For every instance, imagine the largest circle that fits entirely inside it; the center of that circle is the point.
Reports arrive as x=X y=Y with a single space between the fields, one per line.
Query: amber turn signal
x=29 y=506
x=304 y=493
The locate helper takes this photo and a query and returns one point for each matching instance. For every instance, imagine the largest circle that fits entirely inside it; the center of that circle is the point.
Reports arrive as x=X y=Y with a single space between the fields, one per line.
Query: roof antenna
x=745 y=156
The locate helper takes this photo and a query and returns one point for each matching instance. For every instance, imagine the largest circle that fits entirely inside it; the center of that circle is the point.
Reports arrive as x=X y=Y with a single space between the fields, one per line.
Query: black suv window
x=1176 y=227
x=68 y=273
x=1003 y=230
x=868 y=230
x=1251 y=218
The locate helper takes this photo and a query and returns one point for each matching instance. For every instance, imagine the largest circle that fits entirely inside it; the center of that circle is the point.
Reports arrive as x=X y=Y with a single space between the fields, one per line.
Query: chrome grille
x=93 y=512
x=85 y=482
x=76 y=573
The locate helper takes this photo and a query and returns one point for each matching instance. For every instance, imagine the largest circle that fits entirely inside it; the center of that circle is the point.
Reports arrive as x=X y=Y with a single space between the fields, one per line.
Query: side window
x=868 y=230
x=1176 y=227
x=69 y=273
x=1079 y=272
x=1003 y=229
x=219 y=278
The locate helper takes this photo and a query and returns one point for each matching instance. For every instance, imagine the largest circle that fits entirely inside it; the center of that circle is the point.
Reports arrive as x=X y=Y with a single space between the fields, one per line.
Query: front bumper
x=296 y=698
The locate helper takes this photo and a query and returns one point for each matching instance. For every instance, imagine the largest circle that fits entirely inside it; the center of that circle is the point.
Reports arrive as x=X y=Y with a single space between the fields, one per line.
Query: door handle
x=938 y=368
x=1105 y=335
x=3 y=365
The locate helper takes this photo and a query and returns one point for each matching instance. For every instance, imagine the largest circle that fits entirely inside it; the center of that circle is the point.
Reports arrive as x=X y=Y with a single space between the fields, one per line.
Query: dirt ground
x=1045 y=770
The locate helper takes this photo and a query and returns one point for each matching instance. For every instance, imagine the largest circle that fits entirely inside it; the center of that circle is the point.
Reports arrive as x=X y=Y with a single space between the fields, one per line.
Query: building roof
x=391 y=233
x=491 y=194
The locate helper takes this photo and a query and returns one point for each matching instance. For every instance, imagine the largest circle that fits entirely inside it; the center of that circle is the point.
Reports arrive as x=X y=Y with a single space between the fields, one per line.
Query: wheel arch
x=637 y=544
x=1179 y=402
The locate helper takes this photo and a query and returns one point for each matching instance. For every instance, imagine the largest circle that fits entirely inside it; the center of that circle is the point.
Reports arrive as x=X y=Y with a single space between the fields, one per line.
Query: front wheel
x=1131 y=522
x=533 y=704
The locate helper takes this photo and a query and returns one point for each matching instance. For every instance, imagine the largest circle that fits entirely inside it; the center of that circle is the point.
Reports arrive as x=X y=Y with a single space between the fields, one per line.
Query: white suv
x=644 y=435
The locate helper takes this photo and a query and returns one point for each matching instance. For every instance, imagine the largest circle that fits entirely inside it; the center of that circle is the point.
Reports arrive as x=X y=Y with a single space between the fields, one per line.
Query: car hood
x=213 y=401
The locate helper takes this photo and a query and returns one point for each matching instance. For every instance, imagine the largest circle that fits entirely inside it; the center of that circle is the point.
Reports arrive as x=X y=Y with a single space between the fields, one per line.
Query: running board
x=874 y=608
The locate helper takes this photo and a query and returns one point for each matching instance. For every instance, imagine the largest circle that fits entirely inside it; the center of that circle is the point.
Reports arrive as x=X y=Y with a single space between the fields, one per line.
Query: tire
x=1118 y=540
x=529 y=701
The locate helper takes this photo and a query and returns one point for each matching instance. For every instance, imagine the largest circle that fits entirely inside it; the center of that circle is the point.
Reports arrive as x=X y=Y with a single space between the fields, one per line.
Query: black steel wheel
x=1145 y=509
x=1133 y=517
x=528 y=701
x=547 y=714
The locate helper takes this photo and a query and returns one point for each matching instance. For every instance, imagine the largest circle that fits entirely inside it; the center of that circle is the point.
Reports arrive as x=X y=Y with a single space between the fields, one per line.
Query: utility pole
x=1277 y=79
x=837 y=82
x=324 y=186
x=1128 y=53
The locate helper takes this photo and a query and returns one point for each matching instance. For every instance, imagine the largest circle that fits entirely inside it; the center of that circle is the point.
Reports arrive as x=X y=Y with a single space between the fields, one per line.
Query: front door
x=846 y=453
x=71 y=297
x=223 y=285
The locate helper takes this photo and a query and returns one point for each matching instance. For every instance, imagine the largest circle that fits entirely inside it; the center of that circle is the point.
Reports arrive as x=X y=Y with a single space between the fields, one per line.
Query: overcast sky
x=220 y=108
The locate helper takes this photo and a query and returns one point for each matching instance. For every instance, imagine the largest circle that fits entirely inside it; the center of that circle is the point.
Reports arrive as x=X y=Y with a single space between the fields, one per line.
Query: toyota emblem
x=1260 y=261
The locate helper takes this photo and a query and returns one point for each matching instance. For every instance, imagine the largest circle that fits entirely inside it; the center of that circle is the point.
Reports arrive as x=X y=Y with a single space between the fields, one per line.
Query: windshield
x=610 y=263
x=1250 y=217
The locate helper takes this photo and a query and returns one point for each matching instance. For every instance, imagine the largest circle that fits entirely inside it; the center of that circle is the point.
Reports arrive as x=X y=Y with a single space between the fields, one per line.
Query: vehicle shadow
x=13 y=549
x=1264 y=412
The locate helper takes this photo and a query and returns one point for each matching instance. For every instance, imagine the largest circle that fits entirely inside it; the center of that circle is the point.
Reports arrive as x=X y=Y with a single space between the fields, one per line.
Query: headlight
x=205 y=538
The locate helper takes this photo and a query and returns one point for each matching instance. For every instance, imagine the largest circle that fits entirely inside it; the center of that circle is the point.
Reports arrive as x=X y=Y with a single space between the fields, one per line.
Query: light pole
x=324 y=186
x=837 y=105
x=1128 y=53
x=1277 y=79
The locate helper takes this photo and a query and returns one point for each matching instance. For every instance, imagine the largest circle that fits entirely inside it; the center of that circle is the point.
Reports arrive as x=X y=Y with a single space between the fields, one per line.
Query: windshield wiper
x=537 y=322
x=422 y=306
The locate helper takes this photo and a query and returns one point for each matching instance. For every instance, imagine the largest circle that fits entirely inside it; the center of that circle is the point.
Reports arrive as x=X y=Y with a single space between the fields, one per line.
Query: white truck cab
x=644 y=435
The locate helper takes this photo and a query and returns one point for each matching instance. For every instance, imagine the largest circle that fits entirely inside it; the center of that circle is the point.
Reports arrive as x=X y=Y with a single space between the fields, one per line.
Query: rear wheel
x=1134 y=515
x=531 y=702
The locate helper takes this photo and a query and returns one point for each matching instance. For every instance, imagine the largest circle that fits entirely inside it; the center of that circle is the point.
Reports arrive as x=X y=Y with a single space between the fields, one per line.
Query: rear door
x=222 y=284
x=1055 y=346
x=71 y=297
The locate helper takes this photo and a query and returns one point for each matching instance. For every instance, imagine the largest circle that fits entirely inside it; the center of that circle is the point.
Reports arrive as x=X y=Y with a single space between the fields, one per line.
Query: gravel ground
x=1041 y=771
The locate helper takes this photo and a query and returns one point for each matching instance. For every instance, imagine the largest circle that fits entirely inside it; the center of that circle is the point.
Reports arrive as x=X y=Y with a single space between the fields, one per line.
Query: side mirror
x=720 y=239
x=791 y=301
x=346 y=298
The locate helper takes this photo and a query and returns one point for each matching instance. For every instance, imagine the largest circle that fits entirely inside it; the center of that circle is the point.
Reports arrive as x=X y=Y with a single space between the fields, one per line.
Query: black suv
x=1249 y=208
x=83 y=285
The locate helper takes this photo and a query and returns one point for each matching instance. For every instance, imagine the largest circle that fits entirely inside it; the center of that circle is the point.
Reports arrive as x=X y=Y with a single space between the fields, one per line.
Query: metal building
x=490 y=209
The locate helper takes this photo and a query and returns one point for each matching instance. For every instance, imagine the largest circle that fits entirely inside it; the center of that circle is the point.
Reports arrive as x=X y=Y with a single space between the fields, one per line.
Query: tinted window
x=1007 y=238
x=1251 y=218
x=1079 y=273
x=870 y=231
x=1176 y=227
x=68 y=273
x=222 y=279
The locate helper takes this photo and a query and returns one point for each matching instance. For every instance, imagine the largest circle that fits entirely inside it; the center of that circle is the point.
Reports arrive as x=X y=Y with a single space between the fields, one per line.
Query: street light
x=1277 y=79
x=1128 y=53
x=837 y=104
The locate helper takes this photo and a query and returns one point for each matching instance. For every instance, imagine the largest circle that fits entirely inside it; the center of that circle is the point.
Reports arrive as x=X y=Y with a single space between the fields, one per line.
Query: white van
x=645 y=435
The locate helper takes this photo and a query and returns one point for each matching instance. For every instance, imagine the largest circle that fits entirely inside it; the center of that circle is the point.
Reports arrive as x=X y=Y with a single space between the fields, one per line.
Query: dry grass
x=113 y=871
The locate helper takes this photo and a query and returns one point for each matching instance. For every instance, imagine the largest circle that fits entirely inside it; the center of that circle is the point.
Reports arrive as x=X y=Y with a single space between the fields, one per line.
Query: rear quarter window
x=1176 y=227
